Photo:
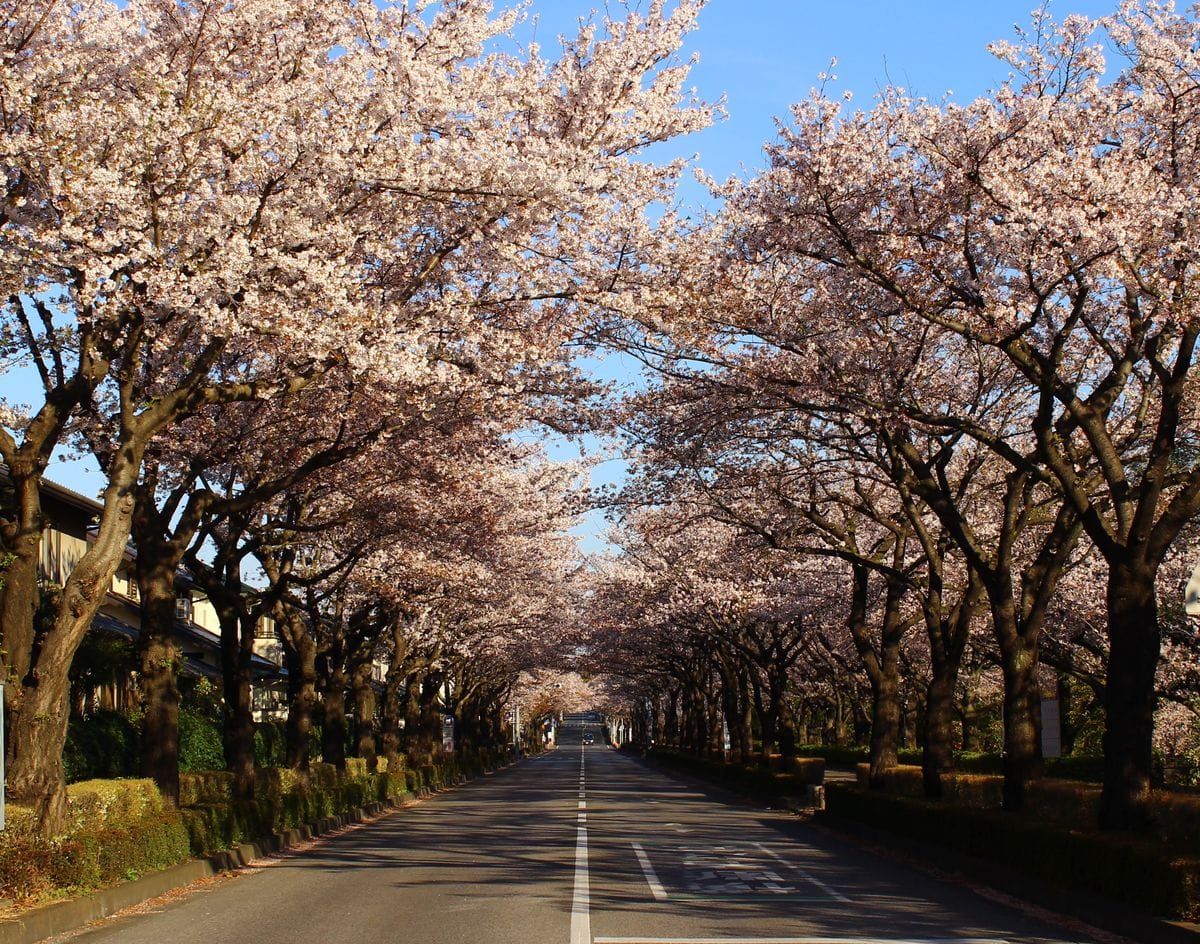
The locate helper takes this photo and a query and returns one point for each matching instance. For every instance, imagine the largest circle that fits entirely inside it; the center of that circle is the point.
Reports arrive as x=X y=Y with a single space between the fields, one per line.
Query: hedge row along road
x=582 y=845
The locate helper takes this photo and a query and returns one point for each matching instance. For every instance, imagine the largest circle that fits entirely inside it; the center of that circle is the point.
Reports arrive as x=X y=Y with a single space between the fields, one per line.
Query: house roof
x=195 y=635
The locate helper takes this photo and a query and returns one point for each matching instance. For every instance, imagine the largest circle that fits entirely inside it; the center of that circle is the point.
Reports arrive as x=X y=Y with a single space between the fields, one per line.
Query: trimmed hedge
x=119 y=829
x=112 y=855
x=283 y=799
x=103 y=804
x=1175 y=816
x=834 y=755
x=1063 y=768
x=1142 y=873
x=759 y=781
x=286 y=798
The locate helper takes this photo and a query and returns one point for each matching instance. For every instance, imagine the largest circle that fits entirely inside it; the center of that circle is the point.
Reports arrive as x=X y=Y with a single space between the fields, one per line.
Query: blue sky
x=763 y=55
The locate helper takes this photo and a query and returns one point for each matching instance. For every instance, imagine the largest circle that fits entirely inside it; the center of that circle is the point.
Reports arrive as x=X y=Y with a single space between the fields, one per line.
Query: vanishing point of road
x=582 y=845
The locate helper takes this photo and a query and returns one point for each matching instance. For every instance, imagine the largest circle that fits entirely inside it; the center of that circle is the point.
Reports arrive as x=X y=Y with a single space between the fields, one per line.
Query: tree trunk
x=938 y=752
x=300 y=657
x=885 y=716
x=156 y=566
x=333 y=726
x=39 y=707
x=948 y=635
x=390 y=719
x=1022 y=723
x=19 y=593
x=394 y=685
x=364 y=715
x=237 y=644
x=968 y=713
x=670 y=718
x=729 y=703
x=160 y=693
x=745 y=721
x=422 y=723
x=883 y=670
x=1130 y=700
x=35 y=749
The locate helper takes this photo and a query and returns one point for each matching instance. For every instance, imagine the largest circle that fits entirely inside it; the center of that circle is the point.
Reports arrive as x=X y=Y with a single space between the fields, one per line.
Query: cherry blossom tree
x=218 y=202
x=1048 y=224
x=1009 y=273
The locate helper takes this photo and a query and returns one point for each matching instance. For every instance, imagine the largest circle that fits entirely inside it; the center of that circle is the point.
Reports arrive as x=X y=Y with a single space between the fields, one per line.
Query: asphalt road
x=580 y=846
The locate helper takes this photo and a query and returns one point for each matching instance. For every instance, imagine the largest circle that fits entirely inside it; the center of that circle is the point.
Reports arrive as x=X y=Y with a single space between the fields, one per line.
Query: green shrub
x=1065 y=768
x=1142 y=873
x=979 y=763
x=1071 y=803
x=835 y=756
x=19 y=821
x=118 y=829
x=213 y=827
x=153 y=844
x=977 y=791
x=284 y=799
x=27 y=868
x=904 y=779
x=1079 y=767
x=270 y=744
x=1176 y=817
x=96 y=805
x=205 y=786
x=106 y=744
x=325 y=776
x=391 y=786
x=201 y=746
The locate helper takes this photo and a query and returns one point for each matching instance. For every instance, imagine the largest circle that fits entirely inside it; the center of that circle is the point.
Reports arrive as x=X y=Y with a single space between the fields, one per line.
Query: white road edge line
x=581 y=919
x=648 y=871
x=809 y=877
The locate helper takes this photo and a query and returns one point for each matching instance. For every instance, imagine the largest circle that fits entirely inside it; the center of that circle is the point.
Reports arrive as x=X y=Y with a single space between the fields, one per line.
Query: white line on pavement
x=807 y=876
x=581 y=920
x=648 y=870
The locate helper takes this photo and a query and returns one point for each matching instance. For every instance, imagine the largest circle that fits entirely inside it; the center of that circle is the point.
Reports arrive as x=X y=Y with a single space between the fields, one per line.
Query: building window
x=264 y=698
x=265 y=629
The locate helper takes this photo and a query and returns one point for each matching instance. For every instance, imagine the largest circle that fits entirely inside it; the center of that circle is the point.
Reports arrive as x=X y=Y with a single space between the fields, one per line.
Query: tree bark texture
x=1130 y=701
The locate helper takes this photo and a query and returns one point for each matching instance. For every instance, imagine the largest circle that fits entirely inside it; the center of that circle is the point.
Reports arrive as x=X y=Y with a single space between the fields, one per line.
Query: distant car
x=589 y=739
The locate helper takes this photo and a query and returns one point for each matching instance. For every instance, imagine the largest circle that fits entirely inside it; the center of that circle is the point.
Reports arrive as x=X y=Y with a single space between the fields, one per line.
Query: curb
x=57 y=918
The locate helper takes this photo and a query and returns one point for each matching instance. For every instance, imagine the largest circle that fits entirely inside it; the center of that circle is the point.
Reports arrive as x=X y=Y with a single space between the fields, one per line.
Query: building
x=70 y=517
